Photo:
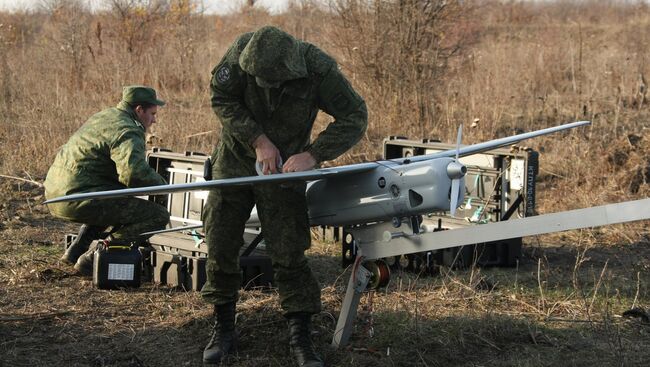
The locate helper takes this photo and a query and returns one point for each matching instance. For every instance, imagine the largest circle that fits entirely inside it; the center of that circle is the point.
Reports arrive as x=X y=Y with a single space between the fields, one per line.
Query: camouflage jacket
x=311 y=82
x=106 y=153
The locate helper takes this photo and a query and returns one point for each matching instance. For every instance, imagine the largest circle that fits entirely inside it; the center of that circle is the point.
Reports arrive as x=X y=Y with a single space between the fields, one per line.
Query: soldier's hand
x=267 y=154
x=300 y=162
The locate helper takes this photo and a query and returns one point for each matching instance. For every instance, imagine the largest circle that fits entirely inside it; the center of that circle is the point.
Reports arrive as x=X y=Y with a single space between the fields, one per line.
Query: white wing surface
x=313 y=175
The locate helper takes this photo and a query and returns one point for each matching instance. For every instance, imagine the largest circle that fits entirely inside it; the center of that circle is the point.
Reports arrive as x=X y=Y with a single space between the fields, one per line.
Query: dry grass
x=563 y=305
x=515 y=67
x=519 y=66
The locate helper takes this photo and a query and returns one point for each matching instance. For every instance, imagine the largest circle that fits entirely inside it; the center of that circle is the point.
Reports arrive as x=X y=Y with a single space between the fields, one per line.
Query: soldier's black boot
x=84 y=264
x=223 y=340
x=300 y=341
x=87 y=234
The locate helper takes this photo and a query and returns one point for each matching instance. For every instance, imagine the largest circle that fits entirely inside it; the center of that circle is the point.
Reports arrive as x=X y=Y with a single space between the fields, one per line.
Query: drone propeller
x=456 y=171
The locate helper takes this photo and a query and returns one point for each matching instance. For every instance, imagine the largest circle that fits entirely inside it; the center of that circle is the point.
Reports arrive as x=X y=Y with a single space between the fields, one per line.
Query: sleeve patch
x=223 y=74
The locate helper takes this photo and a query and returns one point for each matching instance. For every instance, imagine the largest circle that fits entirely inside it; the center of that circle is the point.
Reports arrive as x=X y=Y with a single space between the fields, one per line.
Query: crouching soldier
x=108 y=153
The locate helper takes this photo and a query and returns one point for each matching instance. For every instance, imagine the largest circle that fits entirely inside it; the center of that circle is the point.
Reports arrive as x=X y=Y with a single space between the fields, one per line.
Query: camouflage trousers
x=282 y=210
x=131 y=216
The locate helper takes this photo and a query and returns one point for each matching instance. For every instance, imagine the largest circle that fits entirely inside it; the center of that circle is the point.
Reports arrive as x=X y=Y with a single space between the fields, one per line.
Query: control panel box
x=184 y=208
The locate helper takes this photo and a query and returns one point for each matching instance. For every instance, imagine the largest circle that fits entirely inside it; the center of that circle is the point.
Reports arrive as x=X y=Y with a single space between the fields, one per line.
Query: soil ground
x=569 y=303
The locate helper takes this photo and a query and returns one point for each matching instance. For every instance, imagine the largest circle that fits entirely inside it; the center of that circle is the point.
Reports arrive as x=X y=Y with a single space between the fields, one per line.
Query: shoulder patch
x=223 y=74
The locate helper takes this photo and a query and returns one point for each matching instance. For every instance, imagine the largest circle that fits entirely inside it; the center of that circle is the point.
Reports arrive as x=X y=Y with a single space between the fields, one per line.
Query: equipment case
x=116 y=266
x=179 y=258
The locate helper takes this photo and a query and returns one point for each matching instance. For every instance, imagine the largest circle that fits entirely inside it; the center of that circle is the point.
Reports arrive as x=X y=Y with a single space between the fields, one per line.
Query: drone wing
x=493 y=144
x=312 y=175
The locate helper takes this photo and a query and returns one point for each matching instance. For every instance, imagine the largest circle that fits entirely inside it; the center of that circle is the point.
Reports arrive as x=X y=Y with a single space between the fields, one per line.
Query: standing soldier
x=108 y=153
x=267 y=91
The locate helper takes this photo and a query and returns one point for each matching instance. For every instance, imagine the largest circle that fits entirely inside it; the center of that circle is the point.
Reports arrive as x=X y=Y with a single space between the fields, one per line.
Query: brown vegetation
x=424 y=67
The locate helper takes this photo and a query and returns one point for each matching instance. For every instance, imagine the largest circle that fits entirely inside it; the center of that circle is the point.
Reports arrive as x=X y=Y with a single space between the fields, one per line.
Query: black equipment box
x=116 y=266
x=179 y=258
x=499 y=184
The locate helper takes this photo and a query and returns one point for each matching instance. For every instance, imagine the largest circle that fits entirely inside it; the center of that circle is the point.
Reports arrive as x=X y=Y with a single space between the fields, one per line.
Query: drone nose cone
x=456 y=170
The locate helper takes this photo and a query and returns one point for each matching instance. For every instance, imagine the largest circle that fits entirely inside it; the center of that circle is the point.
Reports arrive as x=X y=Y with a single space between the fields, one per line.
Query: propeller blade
x=455 y=189
x=455 y=183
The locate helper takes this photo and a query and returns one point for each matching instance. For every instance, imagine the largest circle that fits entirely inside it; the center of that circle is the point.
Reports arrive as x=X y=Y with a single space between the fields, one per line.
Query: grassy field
x=572 y=301
x=576 y=299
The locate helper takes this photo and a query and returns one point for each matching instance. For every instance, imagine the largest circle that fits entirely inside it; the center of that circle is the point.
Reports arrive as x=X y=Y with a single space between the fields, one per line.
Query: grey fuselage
x=391 y=190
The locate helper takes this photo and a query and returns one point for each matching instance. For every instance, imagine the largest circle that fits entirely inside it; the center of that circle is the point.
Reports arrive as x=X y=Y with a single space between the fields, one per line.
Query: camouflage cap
x=273 y=55
x=133 y=94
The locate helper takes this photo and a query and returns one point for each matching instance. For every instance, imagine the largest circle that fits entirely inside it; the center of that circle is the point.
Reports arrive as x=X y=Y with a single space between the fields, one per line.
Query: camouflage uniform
x=311 y=81
x=106 y=153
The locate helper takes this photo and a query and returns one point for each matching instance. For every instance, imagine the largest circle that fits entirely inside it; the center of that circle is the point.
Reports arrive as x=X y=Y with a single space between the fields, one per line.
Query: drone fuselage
x=391 y=190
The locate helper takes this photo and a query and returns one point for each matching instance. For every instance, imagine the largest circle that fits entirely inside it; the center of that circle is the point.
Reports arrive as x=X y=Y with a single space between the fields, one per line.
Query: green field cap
x=134 y=94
